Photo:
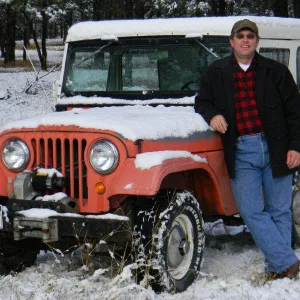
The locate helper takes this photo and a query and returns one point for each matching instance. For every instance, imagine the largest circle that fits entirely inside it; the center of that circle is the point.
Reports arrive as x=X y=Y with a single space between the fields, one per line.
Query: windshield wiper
x=96 y=52
x=214 y=54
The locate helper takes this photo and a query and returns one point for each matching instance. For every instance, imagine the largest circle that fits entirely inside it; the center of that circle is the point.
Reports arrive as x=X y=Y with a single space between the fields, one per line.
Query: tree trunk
x=62 y=28
x=10 y=46
x=1 y=41
x=38 y=49
x=55 y=31
x=296 y=8
x=214 y=7
x=25 y=39
x=68 y=22
x=230 y=8
x=44 y=37
x=281 y=8
x=65 y=31
x=83 y=14
x=222 y=7
x=141 y=9
x=98 y=10
x=128 y=9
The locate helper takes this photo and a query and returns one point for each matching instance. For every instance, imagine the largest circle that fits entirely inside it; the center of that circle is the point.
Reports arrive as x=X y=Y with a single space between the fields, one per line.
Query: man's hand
x=293 y=159
x=219 y=123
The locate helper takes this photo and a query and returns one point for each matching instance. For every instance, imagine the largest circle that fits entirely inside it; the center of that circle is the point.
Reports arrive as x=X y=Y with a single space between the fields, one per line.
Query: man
x=255 y=104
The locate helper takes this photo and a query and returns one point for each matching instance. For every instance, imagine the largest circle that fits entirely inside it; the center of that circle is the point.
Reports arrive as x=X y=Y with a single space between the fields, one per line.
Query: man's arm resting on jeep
x=204 y=101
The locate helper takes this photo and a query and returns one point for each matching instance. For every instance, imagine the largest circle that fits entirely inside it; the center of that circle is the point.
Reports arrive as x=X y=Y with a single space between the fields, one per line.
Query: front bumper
x=61 y=225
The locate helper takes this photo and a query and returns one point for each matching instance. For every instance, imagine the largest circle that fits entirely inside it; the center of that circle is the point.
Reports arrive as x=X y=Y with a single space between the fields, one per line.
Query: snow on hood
x=107 y=100
x=132 y=122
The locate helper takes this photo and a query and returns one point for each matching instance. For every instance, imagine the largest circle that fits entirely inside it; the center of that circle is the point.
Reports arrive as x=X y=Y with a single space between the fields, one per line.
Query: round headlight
x=104 y=157
x=15 y=155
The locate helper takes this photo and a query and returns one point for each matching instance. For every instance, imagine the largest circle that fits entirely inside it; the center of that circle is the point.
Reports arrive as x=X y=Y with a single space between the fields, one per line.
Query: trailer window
x=280 y=54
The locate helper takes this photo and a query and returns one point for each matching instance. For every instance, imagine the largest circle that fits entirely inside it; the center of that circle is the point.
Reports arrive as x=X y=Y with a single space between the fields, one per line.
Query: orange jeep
x=124 y=160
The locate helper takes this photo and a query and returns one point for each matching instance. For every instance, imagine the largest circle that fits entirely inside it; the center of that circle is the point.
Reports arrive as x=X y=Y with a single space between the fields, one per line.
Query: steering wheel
x=186 y=85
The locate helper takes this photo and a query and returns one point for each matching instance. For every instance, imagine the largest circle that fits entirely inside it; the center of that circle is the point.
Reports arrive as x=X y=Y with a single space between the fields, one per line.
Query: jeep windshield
x=137 y=66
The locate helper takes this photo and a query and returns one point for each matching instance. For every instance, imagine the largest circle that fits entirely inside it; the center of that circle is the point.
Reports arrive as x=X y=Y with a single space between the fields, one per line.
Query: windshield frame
x=138 y=42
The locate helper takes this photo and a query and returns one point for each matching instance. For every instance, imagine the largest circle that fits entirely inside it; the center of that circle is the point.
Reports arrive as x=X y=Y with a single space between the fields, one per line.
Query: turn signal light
x=100 y=188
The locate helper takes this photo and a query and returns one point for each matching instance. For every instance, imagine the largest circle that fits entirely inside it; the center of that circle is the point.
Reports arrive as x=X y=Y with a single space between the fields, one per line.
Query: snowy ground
x=232 y=271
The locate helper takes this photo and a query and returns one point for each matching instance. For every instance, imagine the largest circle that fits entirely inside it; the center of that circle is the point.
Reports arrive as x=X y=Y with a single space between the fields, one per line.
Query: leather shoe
x=269 y=276
x=291 y=272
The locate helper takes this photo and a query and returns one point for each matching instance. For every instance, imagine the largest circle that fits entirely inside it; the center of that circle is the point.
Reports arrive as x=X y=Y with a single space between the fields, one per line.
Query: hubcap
x=184 y=247
x=180 y=247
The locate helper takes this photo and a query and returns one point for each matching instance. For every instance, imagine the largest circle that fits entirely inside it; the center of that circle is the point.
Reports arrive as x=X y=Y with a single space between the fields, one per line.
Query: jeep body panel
x=46 y=142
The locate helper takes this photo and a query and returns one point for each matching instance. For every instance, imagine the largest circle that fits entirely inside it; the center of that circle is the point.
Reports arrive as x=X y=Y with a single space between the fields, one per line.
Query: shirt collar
x=236 y=66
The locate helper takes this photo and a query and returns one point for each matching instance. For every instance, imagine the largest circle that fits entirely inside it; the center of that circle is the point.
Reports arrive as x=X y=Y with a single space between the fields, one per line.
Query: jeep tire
x=169 y=243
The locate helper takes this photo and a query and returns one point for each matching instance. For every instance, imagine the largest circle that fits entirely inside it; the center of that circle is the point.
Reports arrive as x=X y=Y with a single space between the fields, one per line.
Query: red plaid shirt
x=246 y=112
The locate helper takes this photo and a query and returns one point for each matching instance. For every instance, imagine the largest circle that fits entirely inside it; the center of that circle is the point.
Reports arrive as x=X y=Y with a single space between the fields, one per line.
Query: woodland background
x=39 y=20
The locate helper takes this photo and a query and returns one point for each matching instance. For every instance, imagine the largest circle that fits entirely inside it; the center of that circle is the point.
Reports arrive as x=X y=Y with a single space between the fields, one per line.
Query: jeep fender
x=147 y=182
x=134 y=181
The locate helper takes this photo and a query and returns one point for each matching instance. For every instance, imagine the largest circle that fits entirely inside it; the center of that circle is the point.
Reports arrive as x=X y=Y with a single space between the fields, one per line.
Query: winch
x=28 y=184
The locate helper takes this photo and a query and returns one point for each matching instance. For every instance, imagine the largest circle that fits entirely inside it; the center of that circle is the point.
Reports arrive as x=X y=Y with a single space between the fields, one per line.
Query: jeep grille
x=67 y=156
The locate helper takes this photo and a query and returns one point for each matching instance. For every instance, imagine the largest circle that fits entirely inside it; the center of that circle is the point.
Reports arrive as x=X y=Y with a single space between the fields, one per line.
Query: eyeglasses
x=249 y=36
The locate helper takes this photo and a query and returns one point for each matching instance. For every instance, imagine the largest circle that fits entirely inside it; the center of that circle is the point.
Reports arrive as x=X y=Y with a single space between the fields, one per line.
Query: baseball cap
x=242 y=24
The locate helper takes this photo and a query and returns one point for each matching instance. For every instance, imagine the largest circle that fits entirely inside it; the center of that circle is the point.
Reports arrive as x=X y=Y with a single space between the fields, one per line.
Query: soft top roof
x=269 y=27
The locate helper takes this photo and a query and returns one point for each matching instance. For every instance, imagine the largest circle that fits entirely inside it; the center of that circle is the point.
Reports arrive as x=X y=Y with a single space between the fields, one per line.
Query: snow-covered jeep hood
x=132 y=122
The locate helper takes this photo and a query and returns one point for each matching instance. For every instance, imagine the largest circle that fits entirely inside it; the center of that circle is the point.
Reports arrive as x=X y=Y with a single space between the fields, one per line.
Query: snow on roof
x=132 y=122
x=269 y=27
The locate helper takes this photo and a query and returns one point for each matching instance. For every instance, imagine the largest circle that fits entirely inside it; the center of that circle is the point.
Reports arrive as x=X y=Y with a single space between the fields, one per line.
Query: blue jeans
x=268 y=214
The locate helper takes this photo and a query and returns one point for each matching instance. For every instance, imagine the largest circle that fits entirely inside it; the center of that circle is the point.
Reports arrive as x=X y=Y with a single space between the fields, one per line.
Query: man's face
x=244 y=44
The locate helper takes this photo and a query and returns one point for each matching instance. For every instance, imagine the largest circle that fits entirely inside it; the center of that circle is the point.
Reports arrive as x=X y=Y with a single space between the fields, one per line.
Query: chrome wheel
x=180 y=247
